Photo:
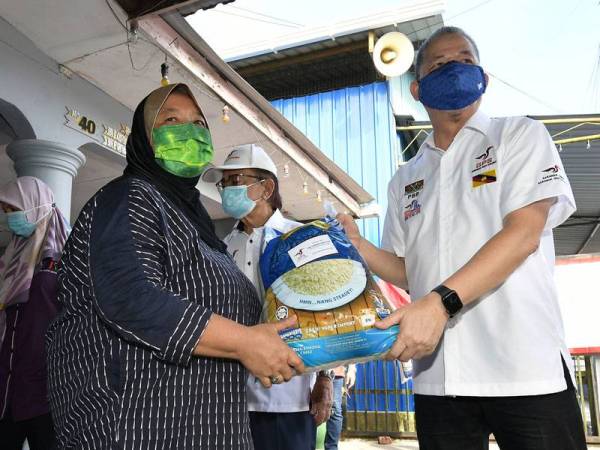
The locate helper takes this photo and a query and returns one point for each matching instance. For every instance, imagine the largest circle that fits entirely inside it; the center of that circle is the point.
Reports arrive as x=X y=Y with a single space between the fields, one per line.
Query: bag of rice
x=316 y=274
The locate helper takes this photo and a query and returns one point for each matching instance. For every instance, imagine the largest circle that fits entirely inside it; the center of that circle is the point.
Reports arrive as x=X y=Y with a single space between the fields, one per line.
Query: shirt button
x=251 y=241
x=249 y=263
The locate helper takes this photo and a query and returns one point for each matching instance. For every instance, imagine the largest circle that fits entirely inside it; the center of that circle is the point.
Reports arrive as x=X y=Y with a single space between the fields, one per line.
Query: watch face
x=452 y=303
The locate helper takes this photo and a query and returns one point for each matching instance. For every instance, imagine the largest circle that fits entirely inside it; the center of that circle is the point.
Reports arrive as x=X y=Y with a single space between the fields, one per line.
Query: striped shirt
x=138 y=287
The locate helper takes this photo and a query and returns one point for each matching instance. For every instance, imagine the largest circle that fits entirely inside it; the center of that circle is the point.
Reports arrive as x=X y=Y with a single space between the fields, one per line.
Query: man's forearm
x=384 y=264
x=502 y=254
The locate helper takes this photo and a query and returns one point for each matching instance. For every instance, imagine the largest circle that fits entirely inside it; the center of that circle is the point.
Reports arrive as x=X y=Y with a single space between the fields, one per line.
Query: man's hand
x=351 y=229
x=321 y=399
x=421 y=326
x=382 y=263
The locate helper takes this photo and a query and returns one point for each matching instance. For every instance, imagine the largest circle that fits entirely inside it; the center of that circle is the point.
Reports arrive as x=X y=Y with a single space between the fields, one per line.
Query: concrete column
x=53 y=163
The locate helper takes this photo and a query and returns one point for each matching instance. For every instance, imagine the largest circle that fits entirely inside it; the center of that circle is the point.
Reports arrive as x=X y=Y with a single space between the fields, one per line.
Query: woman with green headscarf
x=158 y=325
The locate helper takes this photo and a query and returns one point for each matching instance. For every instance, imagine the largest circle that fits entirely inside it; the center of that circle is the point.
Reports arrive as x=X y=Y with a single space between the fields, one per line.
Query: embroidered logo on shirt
x=484 y=178
x=551 y=174
x=413 y=190
x=486 y=159
x=412 y=209
x=553 y=169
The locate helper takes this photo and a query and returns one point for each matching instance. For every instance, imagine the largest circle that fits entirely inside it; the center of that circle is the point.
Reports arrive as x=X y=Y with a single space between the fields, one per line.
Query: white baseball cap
x=248 y=156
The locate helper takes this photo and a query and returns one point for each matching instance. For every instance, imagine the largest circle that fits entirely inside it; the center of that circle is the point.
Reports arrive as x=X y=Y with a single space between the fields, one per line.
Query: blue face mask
x=19 y=224
x=236 y=202
x=453 y=86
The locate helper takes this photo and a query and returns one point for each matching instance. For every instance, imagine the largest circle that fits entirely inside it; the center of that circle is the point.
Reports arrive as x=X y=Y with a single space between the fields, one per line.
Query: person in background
x=158 y=326
x=285 y=416
x=28 y=285
x=343 y=381
x=469 y=230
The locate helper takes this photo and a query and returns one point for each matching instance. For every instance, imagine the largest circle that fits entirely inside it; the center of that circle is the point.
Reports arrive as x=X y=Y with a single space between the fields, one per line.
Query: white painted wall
x=580 y=301
x=30 y=80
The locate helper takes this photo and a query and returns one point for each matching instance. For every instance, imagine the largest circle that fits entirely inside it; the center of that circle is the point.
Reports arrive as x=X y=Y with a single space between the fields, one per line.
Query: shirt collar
x=478 y=121
x=276 y=221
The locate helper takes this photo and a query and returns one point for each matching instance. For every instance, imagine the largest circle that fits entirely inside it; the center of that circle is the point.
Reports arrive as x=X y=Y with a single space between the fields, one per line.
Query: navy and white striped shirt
x=138 y=287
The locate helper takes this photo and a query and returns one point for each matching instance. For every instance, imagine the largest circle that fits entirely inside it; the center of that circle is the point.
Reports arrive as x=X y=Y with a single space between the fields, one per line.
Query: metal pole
x=592 y=383
x=580 y=391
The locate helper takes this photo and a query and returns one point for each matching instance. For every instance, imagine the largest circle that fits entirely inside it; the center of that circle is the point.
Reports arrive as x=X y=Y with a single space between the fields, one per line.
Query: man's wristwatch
x=450 y=299
x=326 y=373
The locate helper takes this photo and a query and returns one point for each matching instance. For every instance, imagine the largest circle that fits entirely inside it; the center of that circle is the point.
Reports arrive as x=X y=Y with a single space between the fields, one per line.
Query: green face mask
x=183 y=150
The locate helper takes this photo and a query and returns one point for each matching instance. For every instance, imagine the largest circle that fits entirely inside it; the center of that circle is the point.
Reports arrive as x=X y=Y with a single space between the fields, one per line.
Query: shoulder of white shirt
x=484 y=124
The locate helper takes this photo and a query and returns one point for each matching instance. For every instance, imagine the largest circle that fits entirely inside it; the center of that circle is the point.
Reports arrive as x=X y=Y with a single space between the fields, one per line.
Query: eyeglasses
x=237 y=179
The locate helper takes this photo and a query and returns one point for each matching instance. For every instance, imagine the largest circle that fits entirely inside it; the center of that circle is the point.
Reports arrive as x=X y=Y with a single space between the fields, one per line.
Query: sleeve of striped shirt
x=127 y=250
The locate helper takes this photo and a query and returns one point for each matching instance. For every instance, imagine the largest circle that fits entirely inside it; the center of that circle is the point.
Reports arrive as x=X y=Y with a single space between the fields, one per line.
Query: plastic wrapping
x=314 y=273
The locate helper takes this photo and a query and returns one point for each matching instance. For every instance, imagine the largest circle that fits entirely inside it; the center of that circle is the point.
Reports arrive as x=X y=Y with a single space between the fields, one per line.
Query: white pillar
x=53 y=163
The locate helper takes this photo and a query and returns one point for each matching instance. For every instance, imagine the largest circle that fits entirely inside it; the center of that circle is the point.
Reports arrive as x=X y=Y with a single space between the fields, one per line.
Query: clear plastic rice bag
x=316 y=274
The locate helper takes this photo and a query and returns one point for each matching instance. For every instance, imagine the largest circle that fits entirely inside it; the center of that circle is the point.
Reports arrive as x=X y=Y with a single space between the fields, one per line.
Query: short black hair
x=275 y=198
x=434 y=37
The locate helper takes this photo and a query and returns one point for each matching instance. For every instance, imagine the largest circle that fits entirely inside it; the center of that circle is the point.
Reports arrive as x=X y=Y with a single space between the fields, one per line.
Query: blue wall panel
x=355 y=127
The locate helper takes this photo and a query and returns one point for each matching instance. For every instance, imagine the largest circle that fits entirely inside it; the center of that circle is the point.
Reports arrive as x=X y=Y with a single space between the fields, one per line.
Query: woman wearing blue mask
x=28 y=303
x=159 y=326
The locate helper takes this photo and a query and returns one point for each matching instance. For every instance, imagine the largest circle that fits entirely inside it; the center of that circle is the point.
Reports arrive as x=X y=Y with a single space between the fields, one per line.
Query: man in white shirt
x=285 y=416
x=469 y=232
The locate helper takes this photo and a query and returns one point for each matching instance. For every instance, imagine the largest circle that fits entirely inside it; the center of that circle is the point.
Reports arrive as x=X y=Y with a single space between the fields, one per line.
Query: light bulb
x=588 y=146
x=559 y=148
x=164 y=72
x=286 y=170
x=305 y=187
x=319 y=198
x=225 y=116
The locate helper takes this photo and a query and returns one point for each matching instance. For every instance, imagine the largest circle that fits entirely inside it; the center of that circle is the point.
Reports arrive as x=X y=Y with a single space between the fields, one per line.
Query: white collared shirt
x=293 y=396
x=443 y=207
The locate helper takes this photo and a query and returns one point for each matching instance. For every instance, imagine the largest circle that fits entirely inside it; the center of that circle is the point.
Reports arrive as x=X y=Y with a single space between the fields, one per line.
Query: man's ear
x=269 y=188
x=487 y=78
x=414 y=89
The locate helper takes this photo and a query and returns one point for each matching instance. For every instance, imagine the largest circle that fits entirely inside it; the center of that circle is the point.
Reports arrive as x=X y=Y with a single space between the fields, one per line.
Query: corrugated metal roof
x=324 y=65
x=582 y=166
x=417 y=30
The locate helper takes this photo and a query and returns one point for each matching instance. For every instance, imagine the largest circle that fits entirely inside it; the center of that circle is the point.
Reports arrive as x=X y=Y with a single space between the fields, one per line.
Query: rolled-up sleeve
x=127 y=259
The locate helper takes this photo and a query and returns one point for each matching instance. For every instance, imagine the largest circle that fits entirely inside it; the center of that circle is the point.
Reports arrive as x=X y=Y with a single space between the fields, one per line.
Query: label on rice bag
x=315 y=274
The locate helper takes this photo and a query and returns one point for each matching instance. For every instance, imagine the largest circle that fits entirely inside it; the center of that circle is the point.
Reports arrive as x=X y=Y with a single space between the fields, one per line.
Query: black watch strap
x=450 y=299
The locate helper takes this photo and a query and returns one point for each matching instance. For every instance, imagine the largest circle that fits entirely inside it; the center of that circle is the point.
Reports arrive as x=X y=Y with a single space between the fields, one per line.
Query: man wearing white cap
x=285 y=416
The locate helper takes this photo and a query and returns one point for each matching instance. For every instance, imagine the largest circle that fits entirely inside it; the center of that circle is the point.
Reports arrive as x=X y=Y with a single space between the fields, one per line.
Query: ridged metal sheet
x=355 y=128
x=582 y=166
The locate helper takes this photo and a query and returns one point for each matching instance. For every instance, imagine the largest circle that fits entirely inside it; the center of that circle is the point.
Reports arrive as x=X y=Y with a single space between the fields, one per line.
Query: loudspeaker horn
x=393 y=54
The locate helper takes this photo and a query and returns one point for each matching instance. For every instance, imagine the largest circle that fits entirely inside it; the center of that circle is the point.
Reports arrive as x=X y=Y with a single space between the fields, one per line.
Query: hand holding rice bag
x=314 y=273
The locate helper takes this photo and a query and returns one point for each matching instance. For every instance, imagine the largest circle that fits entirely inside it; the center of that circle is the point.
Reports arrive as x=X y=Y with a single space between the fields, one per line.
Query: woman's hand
x=265 y=354
x=351 y=229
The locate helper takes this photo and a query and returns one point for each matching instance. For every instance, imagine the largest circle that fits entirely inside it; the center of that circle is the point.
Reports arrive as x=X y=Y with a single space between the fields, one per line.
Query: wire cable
x=512 y=86
x=229 y=13
x=267 y=16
